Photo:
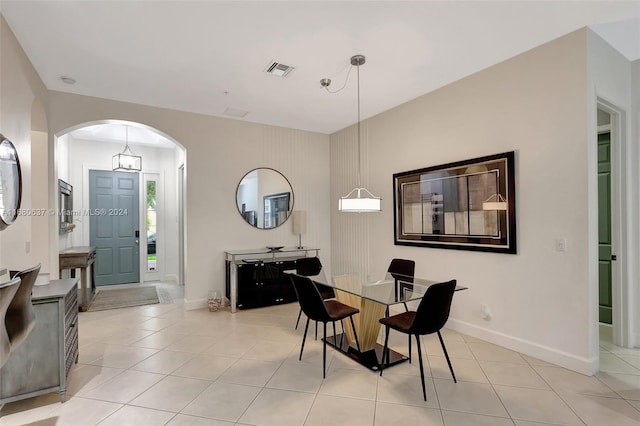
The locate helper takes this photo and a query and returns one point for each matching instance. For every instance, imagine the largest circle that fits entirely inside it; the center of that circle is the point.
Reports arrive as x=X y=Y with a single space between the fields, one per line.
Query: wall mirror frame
x=65 y=203
x=10 y=183
x=465 y=205
x=264 y=198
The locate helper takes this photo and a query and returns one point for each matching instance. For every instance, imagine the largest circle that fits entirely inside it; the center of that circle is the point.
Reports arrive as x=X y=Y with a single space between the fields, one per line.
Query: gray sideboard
x=41 y=364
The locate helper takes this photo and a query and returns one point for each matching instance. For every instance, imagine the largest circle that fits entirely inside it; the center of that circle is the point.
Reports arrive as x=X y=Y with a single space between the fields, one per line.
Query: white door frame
x=158 y=274
x=620 y=285
x=181 y=219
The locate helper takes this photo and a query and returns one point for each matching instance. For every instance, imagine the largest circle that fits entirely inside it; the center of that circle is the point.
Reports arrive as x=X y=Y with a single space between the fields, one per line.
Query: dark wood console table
x=83 y=258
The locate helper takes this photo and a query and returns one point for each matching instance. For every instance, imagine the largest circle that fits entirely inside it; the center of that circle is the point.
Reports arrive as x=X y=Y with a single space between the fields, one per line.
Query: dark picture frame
x=276 y=209
x=465 y=205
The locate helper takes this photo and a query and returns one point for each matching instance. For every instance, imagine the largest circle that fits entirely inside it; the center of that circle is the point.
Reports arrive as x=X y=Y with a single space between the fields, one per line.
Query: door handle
x=614 y=257
x=138 y=242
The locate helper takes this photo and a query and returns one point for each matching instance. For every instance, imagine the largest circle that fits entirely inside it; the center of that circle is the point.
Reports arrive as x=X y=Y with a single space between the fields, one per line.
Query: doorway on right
x=605 y=252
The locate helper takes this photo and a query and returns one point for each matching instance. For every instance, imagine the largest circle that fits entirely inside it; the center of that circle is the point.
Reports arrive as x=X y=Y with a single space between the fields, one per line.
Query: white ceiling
x=206 y=56
x=115 y=131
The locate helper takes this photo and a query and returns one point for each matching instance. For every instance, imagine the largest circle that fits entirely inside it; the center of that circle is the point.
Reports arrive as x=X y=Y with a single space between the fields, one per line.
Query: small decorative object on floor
x=214 y=301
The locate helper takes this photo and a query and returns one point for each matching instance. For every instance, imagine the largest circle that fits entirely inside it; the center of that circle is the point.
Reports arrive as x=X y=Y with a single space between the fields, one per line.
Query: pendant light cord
x=359 y=154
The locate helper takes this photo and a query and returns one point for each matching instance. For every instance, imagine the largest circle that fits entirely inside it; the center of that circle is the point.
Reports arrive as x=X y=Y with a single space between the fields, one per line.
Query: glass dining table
x=374 y=299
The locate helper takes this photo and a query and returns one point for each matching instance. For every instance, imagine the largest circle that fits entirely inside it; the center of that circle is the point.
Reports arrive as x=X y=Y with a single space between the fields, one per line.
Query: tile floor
x=162 y=365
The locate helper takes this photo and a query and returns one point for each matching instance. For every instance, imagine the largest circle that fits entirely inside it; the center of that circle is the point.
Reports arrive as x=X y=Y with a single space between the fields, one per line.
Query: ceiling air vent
x=281 y=70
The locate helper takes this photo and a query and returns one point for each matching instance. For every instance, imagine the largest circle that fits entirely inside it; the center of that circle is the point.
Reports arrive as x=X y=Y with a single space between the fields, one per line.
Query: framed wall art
x=466 y=205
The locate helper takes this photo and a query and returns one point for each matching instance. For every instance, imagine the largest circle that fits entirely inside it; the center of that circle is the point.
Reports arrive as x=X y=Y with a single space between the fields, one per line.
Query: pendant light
x=126 y=161
x=360 y=199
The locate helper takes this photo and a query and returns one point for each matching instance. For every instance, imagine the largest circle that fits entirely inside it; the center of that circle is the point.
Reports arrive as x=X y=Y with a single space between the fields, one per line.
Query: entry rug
x=124 y=298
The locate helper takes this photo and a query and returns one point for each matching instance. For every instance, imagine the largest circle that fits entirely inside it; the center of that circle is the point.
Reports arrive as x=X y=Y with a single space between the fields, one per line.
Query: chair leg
x=304 y=337
x=299 y=315
x=446 y=355
x=424 y=390
x=355 y=333
x=342 y=335
x=335 y=341
x=406 y=309
x=316 y=330
x=384 y=349
x=324 y=350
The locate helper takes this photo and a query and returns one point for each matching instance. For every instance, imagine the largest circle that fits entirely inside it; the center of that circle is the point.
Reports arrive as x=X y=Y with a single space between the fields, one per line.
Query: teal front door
x=604 y=227
x=114 y=226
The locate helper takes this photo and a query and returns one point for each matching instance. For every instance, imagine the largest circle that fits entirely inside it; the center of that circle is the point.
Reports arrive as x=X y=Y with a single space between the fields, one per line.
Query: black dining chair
x=430 y=317
x=21 y=317
x=310 y=266
x=402 y=269
x=324 y=311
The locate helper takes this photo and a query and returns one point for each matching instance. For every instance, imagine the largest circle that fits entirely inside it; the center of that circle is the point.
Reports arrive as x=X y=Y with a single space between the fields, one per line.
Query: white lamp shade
x=359 y=205
x=299 y=218
x=356 y=202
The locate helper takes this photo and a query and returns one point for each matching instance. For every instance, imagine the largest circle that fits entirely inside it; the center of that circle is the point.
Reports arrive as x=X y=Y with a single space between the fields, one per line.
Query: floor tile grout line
x=245 y=327
x=492 y=385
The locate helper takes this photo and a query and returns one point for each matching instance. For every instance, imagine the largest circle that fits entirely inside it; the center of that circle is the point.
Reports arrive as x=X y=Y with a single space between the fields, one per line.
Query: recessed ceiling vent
x=281 y=70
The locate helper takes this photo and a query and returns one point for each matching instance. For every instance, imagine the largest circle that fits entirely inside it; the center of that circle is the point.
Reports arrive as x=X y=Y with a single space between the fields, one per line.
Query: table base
x=371 y=358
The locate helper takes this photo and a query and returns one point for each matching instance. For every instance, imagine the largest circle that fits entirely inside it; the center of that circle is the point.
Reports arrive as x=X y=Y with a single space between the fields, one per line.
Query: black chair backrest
x=433 y=311
x=404 y=267
x=309 y=297
x=308 y=266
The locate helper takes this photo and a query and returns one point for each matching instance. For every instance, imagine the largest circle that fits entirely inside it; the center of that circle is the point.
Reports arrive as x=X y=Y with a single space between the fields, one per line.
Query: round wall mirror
x=264 y=198
x=10 y=183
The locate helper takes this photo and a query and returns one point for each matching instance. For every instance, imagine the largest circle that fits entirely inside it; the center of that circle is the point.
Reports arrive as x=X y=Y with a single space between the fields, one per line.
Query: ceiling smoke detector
x=278 y=69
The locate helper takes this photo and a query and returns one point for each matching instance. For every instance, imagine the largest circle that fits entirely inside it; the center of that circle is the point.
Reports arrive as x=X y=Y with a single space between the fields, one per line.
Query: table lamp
x=299 y=218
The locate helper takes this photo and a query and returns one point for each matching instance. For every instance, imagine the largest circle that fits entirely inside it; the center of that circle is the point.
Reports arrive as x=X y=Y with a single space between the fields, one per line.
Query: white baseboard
x=191 y=305
x=636 y=340
x=172 y=278
x=588 y=366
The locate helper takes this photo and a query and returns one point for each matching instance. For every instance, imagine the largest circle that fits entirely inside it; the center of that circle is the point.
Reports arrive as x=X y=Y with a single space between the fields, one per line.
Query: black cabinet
x=263 y=283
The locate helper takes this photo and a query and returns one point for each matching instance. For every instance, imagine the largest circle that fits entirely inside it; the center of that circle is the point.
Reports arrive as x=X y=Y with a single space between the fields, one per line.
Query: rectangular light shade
x=127 y=162
x=299 y=218
x=359 y=205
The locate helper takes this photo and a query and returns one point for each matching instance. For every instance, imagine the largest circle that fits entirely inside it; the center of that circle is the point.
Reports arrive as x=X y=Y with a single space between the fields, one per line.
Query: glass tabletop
x=393 y=288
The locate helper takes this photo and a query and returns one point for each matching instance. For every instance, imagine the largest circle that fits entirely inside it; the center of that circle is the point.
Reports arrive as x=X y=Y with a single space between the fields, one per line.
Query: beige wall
x=218 y=153
x=534 y=104
x=610 y=82
x=634 y=261
x=23 y=99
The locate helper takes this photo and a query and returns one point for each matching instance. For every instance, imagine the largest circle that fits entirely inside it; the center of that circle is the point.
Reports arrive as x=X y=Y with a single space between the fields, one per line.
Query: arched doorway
x=89 y=148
